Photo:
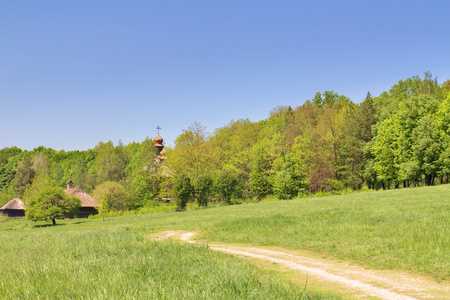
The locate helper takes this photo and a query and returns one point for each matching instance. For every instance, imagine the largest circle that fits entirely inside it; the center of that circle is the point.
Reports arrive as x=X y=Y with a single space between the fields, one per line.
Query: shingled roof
x=15 y=204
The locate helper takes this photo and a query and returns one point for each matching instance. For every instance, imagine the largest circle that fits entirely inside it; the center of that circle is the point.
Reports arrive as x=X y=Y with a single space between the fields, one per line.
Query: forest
x=329 y=144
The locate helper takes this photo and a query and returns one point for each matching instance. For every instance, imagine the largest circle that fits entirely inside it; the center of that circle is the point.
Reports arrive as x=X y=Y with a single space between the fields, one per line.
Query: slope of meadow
x=406 y=229
x=119 y=262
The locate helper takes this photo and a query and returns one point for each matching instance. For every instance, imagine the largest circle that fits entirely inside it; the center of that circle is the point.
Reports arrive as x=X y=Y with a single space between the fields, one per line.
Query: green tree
x=144 y=187
x=384 y=150
x=288 y=181
x=318 y=149
x=50 y=203
x=182 y=190
x=284 y=185
x=202 y=189
x=143 y=174
x=442 y=121
x=232 y=150
x=25 y=174
x=226 y=184
x=111 y=162
x=329 y=99
x=191 y=152
x=112 y=197
x=258 y=180
x=427 y=149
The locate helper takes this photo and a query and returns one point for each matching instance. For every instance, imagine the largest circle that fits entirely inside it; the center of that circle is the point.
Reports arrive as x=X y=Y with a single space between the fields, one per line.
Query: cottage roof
x=86 y=199
x=15 y=204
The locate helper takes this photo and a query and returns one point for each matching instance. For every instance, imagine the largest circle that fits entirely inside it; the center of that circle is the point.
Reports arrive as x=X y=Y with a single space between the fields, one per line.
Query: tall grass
x=406 y=229
x=403 y=229
x=118 y=263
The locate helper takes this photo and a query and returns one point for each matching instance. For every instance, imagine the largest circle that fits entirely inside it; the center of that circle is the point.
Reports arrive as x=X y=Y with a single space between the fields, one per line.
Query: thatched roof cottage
x=14 y=208
x=89 y=205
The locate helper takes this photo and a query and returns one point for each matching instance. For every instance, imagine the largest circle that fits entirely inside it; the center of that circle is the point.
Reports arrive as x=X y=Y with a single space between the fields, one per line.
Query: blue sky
x=74 y=73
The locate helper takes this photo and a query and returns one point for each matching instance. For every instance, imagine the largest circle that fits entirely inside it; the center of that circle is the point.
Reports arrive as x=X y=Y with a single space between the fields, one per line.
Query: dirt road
x=354 y=280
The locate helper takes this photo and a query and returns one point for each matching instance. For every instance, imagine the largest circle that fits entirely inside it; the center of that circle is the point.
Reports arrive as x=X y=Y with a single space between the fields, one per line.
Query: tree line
x=328 y=144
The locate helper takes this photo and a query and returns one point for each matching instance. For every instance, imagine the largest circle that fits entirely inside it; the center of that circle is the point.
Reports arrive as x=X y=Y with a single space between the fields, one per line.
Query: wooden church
x=89 y=205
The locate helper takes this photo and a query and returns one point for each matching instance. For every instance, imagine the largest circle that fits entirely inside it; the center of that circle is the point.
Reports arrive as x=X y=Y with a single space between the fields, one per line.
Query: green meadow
x=115 y=257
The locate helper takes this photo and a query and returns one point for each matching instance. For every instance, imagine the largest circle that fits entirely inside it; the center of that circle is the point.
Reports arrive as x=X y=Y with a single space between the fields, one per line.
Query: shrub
x=112 y=196
x=202 y=188
x=182 y=190
x=226 y=186
x=284 y=185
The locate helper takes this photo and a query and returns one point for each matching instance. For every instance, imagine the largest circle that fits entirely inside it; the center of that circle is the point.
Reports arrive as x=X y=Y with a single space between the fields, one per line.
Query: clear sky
x=74 y=73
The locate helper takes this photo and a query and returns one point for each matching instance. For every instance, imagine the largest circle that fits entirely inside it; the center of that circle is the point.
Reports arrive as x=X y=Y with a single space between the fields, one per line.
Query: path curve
x=373 y=283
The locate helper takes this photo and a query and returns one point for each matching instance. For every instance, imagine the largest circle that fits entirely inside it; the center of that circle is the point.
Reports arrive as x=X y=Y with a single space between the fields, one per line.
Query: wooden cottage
x=14 y=208
x=89 y=205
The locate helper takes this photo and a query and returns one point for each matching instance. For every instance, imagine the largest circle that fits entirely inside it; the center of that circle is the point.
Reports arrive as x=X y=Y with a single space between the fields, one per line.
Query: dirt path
x=360 y=282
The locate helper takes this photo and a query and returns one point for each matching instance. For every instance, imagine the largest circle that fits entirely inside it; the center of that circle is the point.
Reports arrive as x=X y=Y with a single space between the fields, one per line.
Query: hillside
x=404 y=229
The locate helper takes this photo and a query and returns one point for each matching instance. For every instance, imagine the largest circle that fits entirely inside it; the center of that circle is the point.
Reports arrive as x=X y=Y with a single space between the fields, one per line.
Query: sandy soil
x=361 y=282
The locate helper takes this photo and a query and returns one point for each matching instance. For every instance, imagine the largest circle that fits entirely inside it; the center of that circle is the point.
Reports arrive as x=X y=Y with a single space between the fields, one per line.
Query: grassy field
x=121 y=263
x=406 y=229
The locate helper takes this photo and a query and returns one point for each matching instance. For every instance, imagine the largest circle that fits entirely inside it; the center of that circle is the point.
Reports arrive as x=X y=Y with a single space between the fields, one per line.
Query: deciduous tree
x=225 y=185
x=202 y=189
x=50 y=203
x=182 y=189
x=112 y=197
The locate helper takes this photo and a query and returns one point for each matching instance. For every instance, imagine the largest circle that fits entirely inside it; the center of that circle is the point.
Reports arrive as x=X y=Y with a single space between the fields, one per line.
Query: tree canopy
x=327 y=144
x=50 y=203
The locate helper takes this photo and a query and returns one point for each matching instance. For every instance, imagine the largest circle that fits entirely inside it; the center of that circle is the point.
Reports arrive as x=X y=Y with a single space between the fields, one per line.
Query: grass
x=118 y=262
x=407 y=229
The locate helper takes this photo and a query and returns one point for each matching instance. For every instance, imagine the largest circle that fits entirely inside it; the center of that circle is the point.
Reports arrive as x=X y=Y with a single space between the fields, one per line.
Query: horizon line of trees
x=328 y=144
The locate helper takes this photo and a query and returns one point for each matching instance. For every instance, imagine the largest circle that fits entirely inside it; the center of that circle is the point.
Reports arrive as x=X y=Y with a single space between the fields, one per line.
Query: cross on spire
x=159 y=128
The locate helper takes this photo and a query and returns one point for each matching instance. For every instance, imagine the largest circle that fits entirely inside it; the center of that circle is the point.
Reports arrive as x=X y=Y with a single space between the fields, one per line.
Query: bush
x=202 y=188
x=284 y=185
x=112 y=197
x=226 y=186
x=182 y=190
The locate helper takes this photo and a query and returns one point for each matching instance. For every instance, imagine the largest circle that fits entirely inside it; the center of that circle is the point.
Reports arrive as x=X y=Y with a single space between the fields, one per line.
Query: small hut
x=89 y=205
x=14 y=208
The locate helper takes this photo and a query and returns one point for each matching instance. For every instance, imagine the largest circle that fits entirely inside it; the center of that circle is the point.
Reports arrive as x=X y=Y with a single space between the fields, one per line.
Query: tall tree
x=225 y=185
x=191 y=153
x=202 y=189
x=111 y=160
x=182 y=190
x=24 y=175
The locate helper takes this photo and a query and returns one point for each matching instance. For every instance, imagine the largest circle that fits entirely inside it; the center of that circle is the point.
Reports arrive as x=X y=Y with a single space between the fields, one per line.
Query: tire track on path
x=372 y=283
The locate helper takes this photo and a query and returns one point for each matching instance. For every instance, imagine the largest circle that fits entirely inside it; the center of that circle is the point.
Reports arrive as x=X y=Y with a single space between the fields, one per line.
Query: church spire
x=159 y=144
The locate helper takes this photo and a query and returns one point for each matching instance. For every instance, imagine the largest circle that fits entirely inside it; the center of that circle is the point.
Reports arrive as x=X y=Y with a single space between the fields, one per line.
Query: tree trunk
x=54 y=221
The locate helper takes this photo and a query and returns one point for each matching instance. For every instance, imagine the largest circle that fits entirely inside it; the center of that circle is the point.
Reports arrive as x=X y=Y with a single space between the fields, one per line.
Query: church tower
x=159 y=145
